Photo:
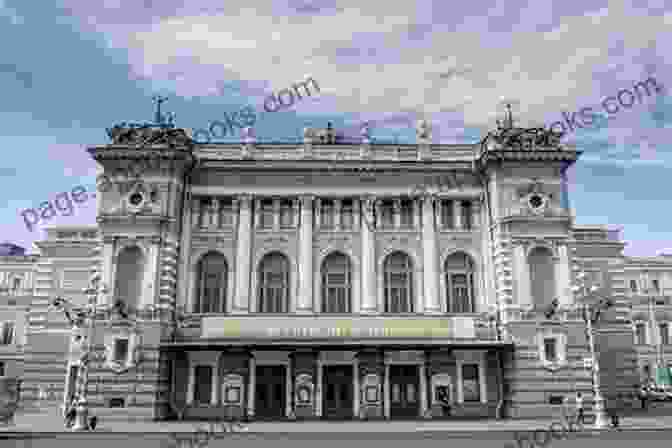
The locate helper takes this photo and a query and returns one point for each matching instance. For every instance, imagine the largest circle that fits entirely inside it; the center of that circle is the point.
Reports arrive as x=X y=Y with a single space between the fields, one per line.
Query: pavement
x=50 y=421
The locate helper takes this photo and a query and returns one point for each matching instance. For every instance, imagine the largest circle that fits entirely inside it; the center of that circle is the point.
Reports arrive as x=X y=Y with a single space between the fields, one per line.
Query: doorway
x=404 y=392
x=338 y=392
x=270 y=392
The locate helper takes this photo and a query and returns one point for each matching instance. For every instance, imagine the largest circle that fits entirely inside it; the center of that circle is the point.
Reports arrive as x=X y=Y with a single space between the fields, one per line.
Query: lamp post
x=77 y=318
x=590 y=316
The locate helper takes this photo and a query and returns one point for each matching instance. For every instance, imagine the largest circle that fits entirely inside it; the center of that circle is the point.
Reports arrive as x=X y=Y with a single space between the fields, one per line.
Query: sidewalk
x=50 y=421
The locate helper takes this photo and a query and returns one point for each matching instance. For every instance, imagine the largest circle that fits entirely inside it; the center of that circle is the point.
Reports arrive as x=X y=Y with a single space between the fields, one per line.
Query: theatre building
x=326 y=279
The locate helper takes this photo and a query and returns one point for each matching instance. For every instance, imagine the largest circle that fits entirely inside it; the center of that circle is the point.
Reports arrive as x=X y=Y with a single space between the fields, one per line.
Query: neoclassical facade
x=334 y=280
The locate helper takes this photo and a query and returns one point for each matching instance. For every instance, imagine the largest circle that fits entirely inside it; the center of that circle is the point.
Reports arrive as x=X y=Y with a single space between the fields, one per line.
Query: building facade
x=332 y=280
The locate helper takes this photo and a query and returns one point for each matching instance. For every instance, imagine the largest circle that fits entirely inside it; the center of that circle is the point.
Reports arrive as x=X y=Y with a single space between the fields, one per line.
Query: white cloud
x=545 y=71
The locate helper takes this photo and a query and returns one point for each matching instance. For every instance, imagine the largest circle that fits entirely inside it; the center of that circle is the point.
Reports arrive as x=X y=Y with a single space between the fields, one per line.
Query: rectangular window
x=120 y=350
x=640 y=334
x=406 y=210
x=656 y=286
x=664 y=334
x=550 y=349
x=387 y=214
x=7 y=336
x=465 y=208
x=447 y=219
x=228 y=214
x=266 y=215
x=633 y=285
x=327 y=213
x=347 y=214
x=286 y=214
x=2 y=369
x=471 y=385
x=202 y=385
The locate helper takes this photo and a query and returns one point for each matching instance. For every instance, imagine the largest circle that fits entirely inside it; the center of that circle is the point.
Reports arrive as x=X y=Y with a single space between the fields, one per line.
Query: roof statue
x=161 y=131
x=507 y=136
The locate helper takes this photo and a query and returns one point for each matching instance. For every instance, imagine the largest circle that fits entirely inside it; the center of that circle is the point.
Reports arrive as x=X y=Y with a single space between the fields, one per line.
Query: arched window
x=129 y=275
x=398 y=283
x=460 y=293
x=336 y=284
x=542 y=276
x=212 y=284
x=274 y=284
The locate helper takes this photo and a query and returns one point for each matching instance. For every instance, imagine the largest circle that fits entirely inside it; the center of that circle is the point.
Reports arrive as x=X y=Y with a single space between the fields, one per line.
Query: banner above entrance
x=358 y=327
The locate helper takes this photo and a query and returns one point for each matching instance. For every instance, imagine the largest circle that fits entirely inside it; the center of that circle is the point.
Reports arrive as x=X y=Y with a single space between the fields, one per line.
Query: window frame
x=196 y=383
x=266 y=294
x=115 y=358
x=666 y=339
x=644 y=337
x=221 y=304
x=345 y=287
x=447 y=214
x=478 y=398
x=390 y=289
x=541 y=302
x=469 y=272
x=11 y=332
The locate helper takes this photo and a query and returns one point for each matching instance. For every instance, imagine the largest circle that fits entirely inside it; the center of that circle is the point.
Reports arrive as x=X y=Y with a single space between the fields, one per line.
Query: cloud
x=6 y=11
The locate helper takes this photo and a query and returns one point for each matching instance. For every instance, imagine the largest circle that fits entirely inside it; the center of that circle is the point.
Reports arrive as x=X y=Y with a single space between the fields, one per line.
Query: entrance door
x=269 y=402
x=404 y=392
x=337 y=396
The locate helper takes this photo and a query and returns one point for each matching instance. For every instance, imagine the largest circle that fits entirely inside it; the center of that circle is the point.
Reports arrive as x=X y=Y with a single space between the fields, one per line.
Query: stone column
x=562 y=276
x=356 y=217
x=243 y=262
x=251 y=386
x=196 y=215
x=305 y=299
x=422 y=372
x=417 y=213
x=355 y=387
x=109 y=244
x=318 y=389
x=337 y=214
x=429 y=256
x=276 y=214
x=522 y=275
x=386 y=392
x=476 y=214
x=318 y=210
x=457 y=213
x=257 y=212
x=368 y=299
x=217 y=213
x=289 y=409
x=397 y=213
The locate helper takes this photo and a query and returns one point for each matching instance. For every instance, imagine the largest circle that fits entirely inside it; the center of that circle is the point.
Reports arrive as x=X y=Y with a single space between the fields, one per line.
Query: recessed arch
x=542 y=275
x=130 y=270
x=398 y=287
x=459 y=270
x=273 y=283
x=336 y=285
x=211 y=283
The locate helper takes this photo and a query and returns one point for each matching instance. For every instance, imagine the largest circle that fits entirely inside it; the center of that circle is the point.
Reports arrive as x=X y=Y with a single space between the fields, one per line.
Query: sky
x=72 y=68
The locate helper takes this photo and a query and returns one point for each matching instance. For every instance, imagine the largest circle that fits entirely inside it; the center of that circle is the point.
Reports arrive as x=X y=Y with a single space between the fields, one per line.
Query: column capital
x=307 y=200
x=244 y=200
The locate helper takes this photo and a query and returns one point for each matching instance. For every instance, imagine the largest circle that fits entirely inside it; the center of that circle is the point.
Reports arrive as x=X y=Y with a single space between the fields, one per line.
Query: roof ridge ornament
x=508 y=136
